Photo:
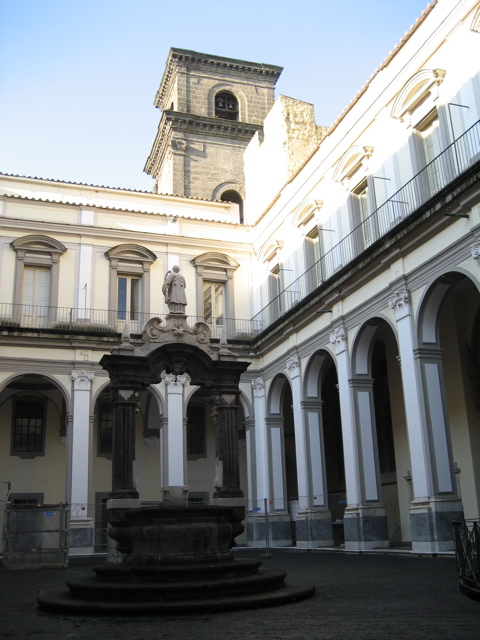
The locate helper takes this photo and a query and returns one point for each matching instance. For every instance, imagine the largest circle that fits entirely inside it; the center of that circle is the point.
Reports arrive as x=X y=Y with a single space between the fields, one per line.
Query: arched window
x=226 y=106
x=236 y=198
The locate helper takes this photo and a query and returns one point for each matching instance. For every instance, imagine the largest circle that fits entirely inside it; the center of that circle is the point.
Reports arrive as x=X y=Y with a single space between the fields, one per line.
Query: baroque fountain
x=175 y=557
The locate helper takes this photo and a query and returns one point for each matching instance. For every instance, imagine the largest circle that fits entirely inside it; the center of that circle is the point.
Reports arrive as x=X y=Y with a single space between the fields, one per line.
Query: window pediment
x=213 y=259
x=38 y=249
x=130 y=257
x=416 y=90
x=305 y=211
x=269 y=250
x=351 y=161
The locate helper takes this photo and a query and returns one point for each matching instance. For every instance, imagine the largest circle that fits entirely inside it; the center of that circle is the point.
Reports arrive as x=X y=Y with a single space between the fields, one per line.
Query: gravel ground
x=358 y=597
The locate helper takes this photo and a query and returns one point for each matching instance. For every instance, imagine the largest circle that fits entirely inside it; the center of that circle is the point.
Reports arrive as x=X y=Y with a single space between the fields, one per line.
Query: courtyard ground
x=366 y=596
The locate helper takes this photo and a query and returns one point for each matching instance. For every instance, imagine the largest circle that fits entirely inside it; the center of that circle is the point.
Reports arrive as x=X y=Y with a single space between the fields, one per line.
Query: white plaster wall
x=289 y=136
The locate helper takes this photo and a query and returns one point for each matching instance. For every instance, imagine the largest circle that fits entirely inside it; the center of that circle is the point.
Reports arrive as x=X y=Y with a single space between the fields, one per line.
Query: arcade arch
x=33 y=428
x=384 y=458
x=449 y=348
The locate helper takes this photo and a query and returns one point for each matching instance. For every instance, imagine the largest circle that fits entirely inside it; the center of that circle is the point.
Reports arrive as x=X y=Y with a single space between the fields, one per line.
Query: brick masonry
x=196 y=154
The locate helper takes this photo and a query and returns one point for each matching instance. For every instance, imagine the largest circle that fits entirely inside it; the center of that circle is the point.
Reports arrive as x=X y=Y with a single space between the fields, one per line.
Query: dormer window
x=226 y=106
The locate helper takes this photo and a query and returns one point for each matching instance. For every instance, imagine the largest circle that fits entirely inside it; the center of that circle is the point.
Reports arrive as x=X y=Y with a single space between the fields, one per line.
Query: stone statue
x=174 y=290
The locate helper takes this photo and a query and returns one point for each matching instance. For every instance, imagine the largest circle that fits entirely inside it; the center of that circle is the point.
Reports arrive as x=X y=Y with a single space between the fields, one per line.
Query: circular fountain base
x=121 y=590
x=177 y=559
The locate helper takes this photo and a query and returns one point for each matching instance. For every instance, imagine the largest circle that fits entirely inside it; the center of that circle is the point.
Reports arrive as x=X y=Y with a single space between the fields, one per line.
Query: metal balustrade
x=446 y=167
x=451 y=163
x=466 y=535
x=103 y=321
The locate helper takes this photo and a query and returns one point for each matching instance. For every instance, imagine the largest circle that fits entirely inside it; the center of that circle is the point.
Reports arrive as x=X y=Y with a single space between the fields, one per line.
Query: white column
x=339 y=339
x=175 y=446
x=303 y=485
x=80 y=442
x=262 y=457
x=412 y=393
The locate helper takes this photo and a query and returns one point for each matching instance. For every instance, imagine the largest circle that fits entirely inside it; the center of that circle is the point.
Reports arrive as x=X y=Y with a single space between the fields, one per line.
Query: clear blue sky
x=78 y=77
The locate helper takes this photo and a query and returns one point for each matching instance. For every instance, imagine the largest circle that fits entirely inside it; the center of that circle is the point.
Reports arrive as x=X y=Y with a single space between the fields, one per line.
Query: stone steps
x=223 y=586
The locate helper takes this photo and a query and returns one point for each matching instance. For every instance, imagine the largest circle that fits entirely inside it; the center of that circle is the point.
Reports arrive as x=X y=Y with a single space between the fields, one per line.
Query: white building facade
x=347 y=273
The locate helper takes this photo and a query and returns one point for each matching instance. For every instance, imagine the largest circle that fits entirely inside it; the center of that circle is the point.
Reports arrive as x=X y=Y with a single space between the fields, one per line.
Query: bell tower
x=211 y=107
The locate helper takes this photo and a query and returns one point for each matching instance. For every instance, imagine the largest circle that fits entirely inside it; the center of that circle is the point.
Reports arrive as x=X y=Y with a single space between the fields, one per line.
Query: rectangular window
x=105 y=429
x=128 y=299
x=360 y=193
x=429 y=130
x=312 y=248
x=274 y=290
x=28 y=426
x=36 y=297
x=213 y=302
x=128 y=302
x=196 y=439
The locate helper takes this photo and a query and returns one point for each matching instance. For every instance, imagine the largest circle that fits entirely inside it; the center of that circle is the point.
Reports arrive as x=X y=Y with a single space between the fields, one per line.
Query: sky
x=78 y=77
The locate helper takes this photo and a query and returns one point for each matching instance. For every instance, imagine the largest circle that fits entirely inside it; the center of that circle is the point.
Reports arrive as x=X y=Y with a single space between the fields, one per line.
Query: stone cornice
x=186 y=57
x=192 y=242
x=176 y=122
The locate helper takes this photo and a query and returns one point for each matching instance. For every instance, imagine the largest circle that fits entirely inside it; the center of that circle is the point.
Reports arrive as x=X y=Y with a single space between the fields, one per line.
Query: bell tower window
x=226 y=106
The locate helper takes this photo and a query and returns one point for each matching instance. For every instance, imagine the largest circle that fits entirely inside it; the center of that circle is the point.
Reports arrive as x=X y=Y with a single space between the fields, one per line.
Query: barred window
x=105 y=429
x=29 y=426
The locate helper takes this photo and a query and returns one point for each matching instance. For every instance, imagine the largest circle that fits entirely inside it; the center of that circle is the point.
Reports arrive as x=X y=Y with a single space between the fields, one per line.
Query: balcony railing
x=446 y=167
x=102 y=321
x=451 y=163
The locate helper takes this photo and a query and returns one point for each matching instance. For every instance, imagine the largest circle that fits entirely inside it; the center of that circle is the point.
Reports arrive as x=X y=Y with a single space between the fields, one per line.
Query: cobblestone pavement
x=358 y=597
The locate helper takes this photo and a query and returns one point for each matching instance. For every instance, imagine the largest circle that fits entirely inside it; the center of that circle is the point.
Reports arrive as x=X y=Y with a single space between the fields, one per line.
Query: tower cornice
x=177 y=57
x=176 y=122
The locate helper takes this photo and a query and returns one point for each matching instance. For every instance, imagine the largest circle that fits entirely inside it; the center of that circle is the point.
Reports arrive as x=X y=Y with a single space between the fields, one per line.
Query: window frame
x=313 y=255
x=38 y=252
x=22 y=400
x=216 y=268
x=101 y=404
x=133 y=261
x=362 y=200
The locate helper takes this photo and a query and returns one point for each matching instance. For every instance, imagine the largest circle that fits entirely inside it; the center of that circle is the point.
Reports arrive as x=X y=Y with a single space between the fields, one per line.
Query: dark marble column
x=124 y=404
x=129 y=374
x=227 y=476
x=225 y=403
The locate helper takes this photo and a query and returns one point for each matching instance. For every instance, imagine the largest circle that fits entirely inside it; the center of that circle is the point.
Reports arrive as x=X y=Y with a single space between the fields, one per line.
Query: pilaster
x=81 y=521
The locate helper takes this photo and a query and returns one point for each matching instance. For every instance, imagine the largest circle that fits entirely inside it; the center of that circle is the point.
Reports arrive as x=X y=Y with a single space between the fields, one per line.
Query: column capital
x=258 y=387
x=293 y=366
x=175 y=383
x=400 y=301
x=338 y=337
x=82 y=380
x=475 y=250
